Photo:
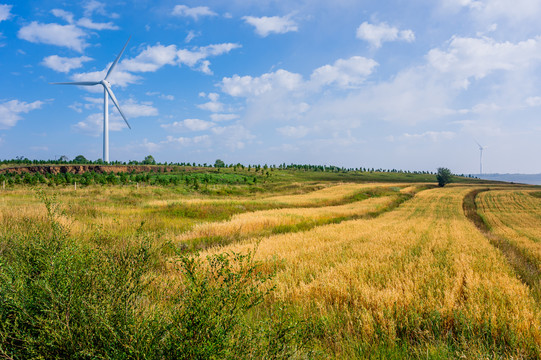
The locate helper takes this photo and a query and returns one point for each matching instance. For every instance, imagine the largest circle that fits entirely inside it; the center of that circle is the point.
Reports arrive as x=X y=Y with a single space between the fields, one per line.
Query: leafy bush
x=63 y=299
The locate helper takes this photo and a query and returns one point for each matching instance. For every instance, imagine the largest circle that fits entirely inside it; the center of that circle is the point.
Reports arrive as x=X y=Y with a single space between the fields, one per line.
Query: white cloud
x=154 y=57
x=5 y=12
x=69 y=36
x=64 y=64
x=89 y=24
x=191 y=35
x=274 y=24
x=188 y=125
x=118 y=77
x=233 y=137
x=244 y=86
x=434 y=136
x=376 y=34
x=344 y=72
x=93 y=124
x=133 y=109
x=198 y=55
x=151 y=59
x=94 y=6
x=195 y=12
x=294 y=131
x=160 y=95
x=213 y=105
x=476 y=58
x=534 y=101
x=150 y=146
x=488 y=11
x=66 y=15
x=10 y=111
x=223 y=117
x=186 y=141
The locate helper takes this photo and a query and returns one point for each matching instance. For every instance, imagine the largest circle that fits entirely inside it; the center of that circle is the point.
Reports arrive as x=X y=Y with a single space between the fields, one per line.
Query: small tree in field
x=444 y=176
x=149 y=160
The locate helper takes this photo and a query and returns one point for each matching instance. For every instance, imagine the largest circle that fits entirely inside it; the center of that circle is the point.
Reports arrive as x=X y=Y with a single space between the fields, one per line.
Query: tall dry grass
x=421 y=274
x=515 y=216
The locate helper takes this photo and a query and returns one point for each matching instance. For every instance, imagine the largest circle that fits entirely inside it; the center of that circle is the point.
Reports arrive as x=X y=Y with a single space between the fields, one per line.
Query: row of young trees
x=194 y=180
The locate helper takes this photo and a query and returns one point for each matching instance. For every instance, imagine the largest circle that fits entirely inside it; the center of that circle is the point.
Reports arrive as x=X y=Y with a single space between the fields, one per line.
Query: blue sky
x=395 y=84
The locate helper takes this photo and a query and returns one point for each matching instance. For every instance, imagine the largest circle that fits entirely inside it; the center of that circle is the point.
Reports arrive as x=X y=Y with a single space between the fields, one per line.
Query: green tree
x=80 y=159
x=149 y=160
x=219 y=163
x=444 y=176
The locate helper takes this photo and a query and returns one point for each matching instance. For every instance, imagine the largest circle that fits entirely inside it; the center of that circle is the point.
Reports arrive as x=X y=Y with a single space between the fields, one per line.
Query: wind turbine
x=480 y=157
x=107 y=92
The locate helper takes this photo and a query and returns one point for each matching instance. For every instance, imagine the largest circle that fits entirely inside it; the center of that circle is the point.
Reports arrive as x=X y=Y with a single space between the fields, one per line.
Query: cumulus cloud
x=133 y=109
x=344 y=72
x=194 y=12
x=213 y=105
x=197 y=55
x=271 y=24
x=244 y=86
x=5 y=12
x=154 y=57
x=188 y=125
x=10 y=111
x=69 y=36
x=118 y=77
x=376 y=34
x=151 y=59
x=467 y=58
x=64 y=64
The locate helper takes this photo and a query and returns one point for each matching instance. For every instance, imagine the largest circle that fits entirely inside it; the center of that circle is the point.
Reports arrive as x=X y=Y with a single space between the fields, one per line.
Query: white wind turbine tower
x=481 y=148
x=107 y=92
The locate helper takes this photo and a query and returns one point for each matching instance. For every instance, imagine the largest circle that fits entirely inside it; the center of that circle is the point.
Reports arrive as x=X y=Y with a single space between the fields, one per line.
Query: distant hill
x=532 y=179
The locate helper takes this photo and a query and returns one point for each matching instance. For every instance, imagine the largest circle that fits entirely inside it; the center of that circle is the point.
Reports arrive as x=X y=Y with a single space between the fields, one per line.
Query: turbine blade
x=116 y=60
x=115 y=101
x=83 y=83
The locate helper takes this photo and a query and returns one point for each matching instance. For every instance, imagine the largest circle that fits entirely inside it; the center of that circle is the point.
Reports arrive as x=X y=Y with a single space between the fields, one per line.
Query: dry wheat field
x=367 y=270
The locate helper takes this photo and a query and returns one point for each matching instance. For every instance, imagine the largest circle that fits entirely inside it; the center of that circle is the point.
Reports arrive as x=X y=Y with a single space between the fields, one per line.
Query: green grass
x=65 y=299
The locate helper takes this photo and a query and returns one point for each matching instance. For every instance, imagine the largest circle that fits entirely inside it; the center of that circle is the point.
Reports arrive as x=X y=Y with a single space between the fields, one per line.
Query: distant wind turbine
x=481 y=148
x=107 y=92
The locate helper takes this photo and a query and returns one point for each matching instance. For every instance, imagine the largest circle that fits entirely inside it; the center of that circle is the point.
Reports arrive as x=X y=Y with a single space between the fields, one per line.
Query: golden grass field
x=415 y=279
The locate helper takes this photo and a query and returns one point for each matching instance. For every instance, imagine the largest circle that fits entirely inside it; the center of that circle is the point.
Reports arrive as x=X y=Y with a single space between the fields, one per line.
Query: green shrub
x=64 y=299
